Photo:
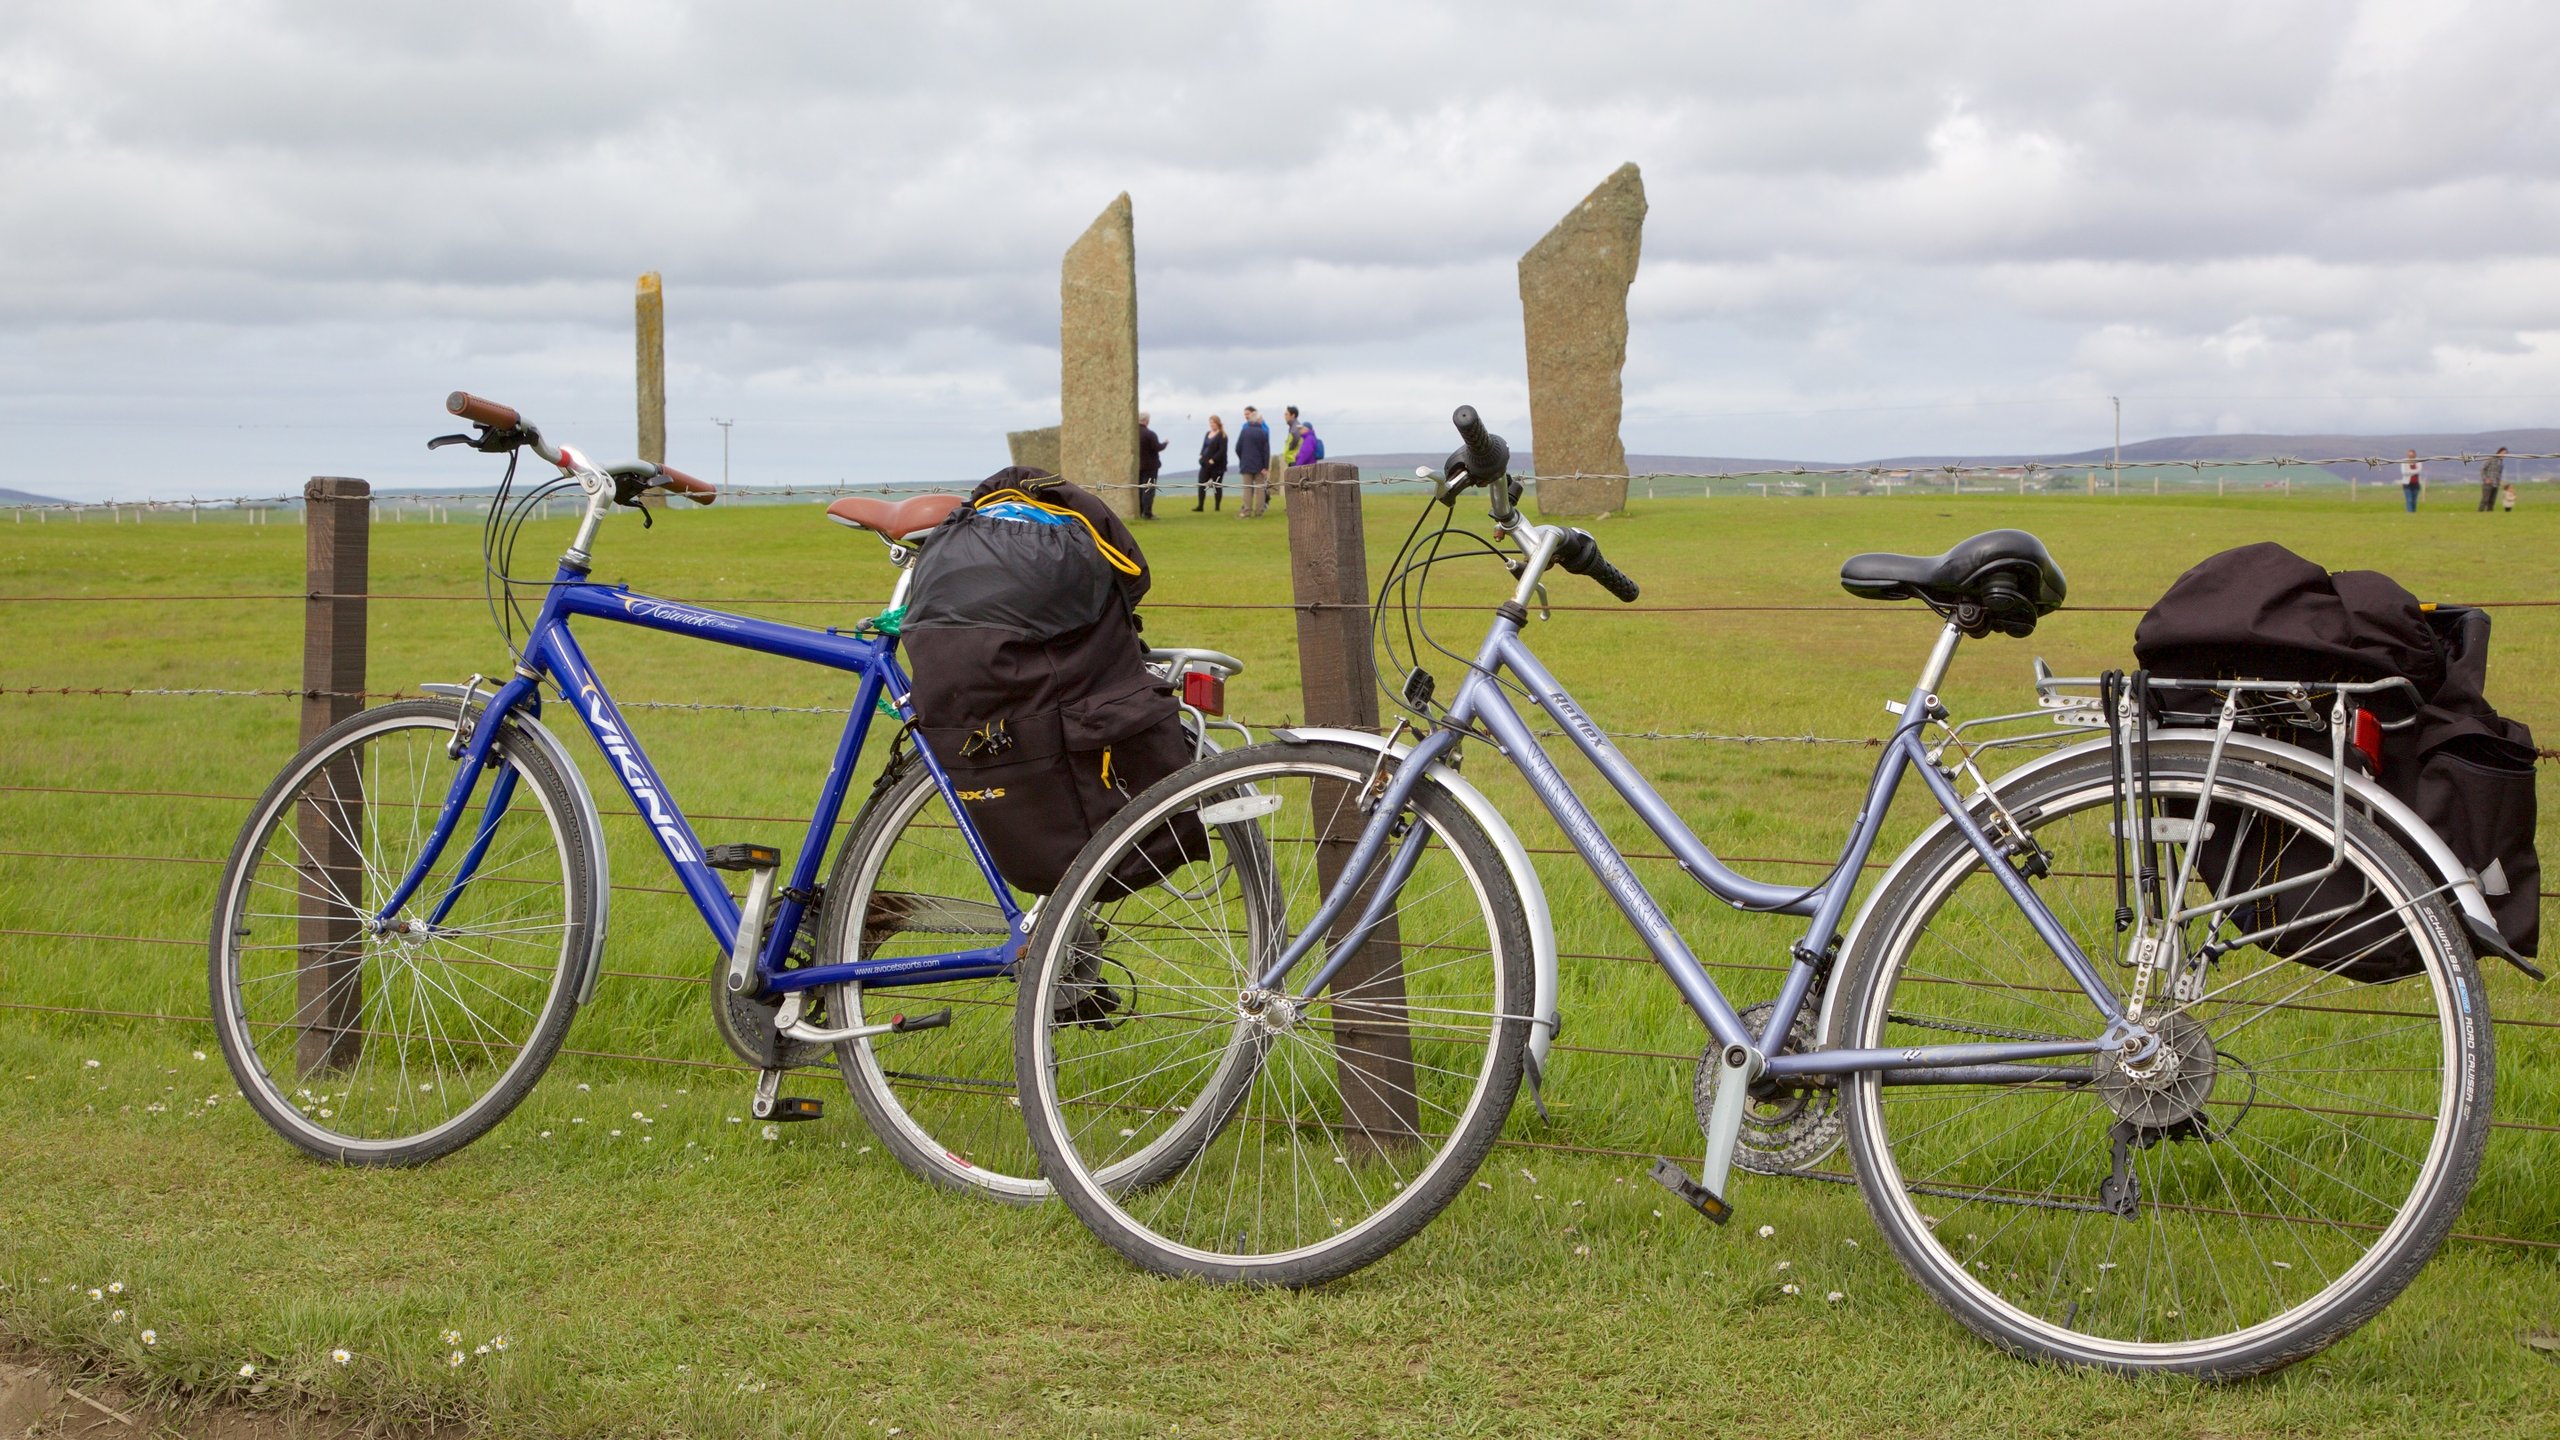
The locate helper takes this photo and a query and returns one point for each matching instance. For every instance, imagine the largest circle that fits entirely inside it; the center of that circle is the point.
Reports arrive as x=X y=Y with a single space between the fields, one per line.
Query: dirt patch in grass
x=38 y=1398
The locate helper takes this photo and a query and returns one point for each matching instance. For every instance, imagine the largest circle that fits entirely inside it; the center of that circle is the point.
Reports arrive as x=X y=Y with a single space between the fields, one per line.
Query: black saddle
x=1999 y=580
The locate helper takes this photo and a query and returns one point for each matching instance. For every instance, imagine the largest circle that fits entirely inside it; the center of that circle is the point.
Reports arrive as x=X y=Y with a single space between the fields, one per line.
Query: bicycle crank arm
x=894 y=1025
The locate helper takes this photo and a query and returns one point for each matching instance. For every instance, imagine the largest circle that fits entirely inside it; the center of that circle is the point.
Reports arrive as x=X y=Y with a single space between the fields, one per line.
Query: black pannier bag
x=2261 y=612
x=1030 y=682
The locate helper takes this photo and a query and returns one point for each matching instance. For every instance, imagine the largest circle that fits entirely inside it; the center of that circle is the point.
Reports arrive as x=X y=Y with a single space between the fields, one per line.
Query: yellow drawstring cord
x=1110 y=552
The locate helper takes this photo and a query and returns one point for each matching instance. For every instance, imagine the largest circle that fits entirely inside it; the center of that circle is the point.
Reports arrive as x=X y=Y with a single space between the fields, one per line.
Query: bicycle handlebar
x=482 y=412
x=700 y=492
x=1485 y=457
x=1580 y=554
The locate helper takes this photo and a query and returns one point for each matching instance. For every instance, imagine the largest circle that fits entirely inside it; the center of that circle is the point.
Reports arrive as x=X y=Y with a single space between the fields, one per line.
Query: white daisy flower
x=115 y=1287
x=150 y=1337
x=451 y=1337
x=1835 y=1297
x=1789 y=1289
x=340 y=1357
x=115 y=1317
x=454 y=1360
x=1768 y=1230
x=248 y=1371
x=773 y=1132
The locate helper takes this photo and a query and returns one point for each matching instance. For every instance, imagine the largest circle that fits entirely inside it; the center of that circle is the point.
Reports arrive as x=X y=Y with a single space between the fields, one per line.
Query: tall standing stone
x=1035 y=449
x=1573 y=304
x=649 y=326
x=1098 y=360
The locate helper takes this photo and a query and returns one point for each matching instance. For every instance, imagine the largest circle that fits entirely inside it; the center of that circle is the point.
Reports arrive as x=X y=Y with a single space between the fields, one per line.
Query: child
x=2509 y=498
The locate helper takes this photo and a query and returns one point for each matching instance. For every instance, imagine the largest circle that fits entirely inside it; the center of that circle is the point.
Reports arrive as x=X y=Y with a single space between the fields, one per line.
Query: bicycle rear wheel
x=2294 y=1155
x=1320 y=1132
x=395 y=1045
x=942 y=1101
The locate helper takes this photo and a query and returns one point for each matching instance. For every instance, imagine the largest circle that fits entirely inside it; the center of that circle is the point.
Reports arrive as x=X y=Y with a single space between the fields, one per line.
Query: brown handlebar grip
x=700 y=492
x=482 y=412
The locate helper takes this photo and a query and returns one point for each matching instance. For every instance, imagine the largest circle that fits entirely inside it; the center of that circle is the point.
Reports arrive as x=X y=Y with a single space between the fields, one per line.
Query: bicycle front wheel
x=2266 y=1183
x=1316 y=1132
x=393 y=1044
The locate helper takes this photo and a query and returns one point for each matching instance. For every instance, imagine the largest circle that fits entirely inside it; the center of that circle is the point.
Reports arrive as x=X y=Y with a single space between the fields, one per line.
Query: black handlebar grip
x=1580 y=554
x=1488 y=458
x=1614 y=580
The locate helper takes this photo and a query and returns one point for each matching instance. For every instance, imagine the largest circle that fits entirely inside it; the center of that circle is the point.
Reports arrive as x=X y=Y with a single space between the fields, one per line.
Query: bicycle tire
x=1281 y=1107
x=2210 y=1159
x=444 y=971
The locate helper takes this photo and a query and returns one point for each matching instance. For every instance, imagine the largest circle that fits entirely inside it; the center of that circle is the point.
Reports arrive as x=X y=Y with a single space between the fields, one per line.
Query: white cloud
x=251 y=241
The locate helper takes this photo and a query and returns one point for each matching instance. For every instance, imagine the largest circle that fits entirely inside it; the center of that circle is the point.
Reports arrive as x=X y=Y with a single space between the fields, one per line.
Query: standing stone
x=1098 y=360
x=650 y=329
x=1573 y=304
x=1036 y=449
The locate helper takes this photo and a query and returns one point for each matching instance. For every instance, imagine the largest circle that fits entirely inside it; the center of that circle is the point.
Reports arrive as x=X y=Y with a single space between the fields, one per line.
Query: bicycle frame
x=552 y=653
x=1481 y=700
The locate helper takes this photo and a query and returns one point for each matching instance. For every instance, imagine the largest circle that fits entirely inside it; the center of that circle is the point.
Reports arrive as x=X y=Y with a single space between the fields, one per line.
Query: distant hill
x=2388 y=447
x=21 y=497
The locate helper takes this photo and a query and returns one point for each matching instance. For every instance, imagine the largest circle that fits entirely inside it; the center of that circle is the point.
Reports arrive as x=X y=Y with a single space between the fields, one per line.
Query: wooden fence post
x=329 y=984
x=1329 y=571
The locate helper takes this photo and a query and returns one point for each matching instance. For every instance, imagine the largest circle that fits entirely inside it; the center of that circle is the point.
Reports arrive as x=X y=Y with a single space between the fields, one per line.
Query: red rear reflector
x=2367 y=738
x=1204 y=692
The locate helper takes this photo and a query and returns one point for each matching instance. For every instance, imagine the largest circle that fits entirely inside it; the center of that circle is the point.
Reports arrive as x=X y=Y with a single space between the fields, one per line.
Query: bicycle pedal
x=741 y=855
x=797 y=1107
x=1701 y=1199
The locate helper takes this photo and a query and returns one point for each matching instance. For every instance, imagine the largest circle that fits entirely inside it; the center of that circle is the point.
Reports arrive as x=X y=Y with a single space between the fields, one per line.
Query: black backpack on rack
x=2261 y=612
x=1030 y=682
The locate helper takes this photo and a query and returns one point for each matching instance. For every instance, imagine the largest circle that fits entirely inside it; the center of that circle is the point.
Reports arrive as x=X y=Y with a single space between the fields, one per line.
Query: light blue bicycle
x=2167 y=1051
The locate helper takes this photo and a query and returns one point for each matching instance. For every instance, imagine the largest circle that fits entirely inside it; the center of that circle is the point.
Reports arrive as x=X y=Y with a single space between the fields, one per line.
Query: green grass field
x=644 y=1281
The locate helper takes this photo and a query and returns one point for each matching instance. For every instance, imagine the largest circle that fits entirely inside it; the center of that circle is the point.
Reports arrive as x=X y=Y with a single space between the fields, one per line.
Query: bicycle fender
x=1515 y=858
x=590 y=824
x=2384 y=808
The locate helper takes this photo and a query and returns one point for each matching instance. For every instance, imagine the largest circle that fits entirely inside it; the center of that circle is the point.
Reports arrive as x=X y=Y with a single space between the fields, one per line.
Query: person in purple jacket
x=1310 y=448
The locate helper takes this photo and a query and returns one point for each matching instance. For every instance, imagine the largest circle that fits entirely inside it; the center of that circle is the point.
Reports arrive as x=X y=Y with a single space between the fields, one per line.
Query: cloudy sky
x=247 y=242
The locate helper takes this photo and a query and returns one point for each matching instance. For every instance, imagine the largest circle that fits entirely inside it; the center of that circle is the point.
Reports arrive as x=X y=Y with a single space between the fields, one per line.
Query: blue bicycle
x=2167 y=1051
x=417 y=905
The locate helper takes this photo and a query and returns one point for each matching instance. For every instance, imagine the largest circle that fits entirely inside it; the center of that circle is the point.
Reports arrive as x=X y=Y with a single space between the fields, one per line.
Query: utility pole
x=2118 y=467
x=724 y=447
x=2118 y=471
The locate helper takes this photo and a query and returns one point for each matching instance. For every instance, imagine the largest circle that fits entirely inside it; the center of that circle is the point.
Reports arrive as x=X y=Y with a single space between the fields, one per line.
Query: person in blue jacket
x=1253 y=464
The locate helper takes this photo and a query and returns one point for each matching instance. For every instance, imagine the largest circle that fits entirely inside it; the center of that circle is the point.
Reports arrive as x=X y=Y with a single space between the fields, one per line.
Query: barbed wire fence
x=323 y=594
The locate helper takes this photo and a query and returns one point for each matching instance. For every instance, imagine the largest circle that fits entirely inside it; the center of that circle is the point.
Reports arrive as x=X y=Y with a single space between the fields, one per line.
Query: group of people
x=1252 y=445
x=2495 y=487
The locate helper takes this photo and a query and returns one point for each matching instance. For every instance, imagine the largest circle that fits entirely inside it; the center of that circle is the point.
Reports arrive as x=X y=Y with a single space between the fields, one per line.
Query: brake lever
x=441 y=441
x=627 y=490
x=1543 y=612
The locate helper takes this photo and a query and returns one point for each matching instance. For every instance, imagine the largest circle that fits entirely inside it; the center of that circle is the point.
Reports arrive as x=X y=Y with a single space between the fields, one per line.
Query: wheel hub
x=2169 y=1086
x=1271 y=1011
